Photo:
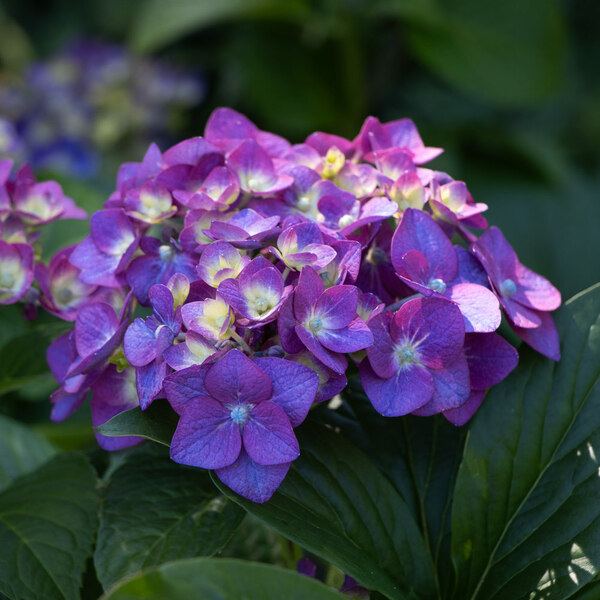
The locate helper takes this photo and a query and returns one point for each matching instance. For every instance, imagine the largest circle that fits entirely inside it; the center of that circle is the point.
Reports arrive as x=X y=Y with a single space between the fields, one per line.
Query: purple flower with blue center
x=525 y=296
x=426 y=260
x=237 y=417
x=257 y=294
x=417 y=361
x=323 y=321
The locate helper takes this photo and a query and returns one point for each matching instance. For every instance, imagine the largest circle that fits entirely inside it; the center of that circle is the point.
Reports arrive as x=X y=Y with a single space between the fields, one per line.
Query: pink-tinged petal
x=544 y=339
x=189 y=152
x=333 y=360
x=399 y=395
x=336 y=307
x=314 y=255
x=414 y=266
x=286 y=321
x=268 y=436
x=535 y=291
x=497 y=256
x=206 y=436
x=149 y=382
x=112 y=231
x=235 y=378
x=451 y=388
x=182 y=387
x=96 y=267
x=322 y=142
x=356 y=336
x=139 y=343
x=95 y=324
x=307 y=293
x=490 y=358
x=251 y=480
x=462 y=414
x=478 y=305
x=403 y=133
x=381 y=353
x=418 y=231
x=228 y=124
x=433 y=326
x=519 y=315
x=294 y=386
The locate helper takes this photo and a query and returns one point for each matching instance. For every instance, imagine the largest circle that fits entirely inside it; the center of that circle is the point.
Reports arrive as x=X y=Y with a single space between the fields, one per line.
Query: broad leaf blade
x=221 y=579
x=335 y=503
x=21 y=450
x=157 y=423
x=156 y=511
x=48 y=522
x=525 y=512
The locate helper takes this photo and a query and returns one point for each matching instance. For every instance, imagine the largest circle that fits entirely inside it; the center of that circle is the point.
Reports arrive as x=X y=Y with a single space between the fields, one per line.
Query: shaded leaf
x=156 y=511
x=525 y=515
x=221 y=579
x=21 y=450
x=157 y=423
x=48 y=523
x=335 y=503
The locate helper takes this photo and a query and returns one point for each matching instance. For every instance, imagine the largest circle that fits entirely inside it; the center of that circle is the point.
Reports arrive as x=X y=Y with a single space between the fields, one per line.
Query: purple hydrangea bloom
x=16 y=271
x=237 y=417
x=417 y=361
x=244 y=229
x=303 y=244
x=323 y=321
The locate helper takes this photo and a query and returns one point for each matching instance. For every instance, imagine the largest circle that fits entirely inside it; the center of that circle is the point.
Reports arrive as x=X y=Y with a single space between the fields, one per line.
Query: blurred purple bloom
x=16 y=271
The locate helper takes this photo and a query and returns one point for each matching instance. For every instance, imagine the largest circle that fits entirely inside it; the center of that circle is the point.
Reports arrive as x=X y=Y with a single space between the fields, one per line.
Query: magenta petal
x=418 y=231
x=535 y=291
x=336 y=306
x=333 y=360
x=228 y=124
x=307 y=293
x=490 y=358
x=451 y=388
x=286 y=322
x=206 y=436
x=235 y=378
x=544 y=338
x=414 y=266
x=462 y=414
x=356 y=336
x=268 y=436
x=436 y=326
x=496 y=255
x=381 y=353
x=182 y=387
x=251 y=480
x=478 y=305
x=399 y=395
x=294 y=386
x=519 y=315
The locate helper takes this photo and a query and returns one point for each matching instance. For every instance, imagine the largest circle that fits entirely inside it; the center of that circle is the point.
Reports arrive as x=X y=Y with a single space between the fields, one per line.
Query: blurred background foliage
x=510 y=89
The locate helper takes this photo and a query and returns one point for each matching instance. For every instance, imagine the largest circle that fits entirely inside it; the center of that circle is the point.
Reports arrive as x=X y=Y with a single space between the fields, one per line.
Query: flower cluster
x=87 y=100
x=259 y=272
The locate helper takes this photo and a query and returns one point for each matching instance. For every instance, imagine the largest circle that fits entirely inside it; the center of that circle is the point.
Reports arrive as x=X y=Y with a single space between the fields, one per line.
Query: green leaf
x=511 y=53
x=335 y=503
x=421 y=457
x=48 y=523
x=158 y=23
x=156 y=423
x=221 y=579
x=156 y=511
x=525 y=513
x=21 y=450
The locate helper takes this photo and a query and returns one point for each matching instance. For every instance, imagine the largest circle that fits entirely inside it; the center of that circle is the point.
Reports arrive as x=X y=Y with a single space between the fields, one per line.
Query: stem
x=240 y=341
x=285 y=273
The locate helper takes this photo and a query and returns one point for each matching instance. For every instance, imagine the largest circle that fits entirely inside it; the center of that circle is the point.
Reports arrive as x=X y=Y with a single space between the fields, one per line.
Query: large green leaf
x=221 y=579
x=21 y=450
x=335 y=503
x=421 y=457
x=510 y=52
x=526 y=514
x=159 y=23
x=48 y=522
x=157 y=423
x=156 y=511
